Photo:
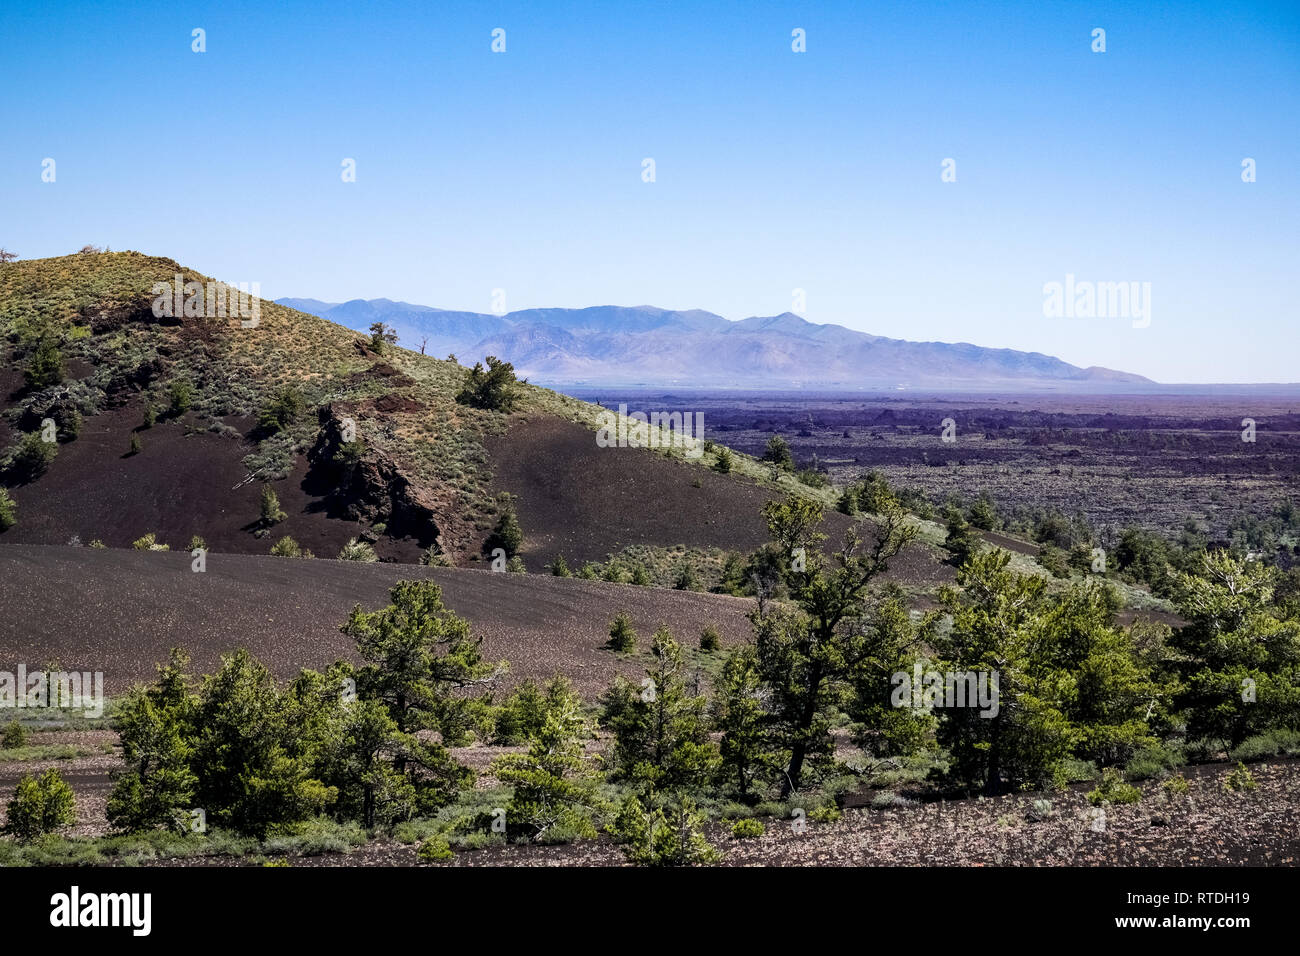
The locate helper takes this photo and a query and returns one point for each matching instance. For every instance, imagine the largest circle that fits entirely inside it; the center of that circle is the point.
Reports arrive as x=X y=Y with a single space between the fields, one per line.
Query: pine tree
x=738 y=715
x=554 y=785
x=660 y=735
x=807 y=654
x=272 y=513
x=420 y=661
x=998 y=629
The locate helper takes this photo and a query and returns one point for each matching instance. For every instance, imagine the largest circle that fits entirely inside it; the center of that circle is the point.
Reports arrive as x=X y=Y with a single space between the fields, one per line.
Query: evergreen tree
x=272 y=513
x=660 y=735
x=420 y=662
x=807 y=654
x=998 y=631
x=962 y=542
x=738 y=715
x=155 y=726
x=1241 y=674
x=554 y=786
x=45 y=367
x=507 y=534
x=492 y=389
x=778 y=453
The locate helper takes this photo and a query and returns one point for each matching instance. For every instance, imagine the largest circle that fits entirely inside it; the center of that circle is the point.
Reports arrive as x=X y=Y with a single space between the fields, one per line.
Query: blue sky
x=775 y=170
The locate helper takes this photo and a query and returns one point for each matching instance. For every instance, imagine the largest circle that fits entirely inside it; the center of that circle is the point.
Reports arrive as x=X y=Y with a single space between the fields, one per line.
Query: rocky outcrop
x=363 y=484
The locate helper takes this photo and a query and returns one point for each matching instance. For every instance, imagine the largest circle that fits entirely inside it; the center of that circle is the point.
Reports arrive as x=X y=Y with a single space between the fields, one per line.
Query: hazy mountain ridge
x=644 y=345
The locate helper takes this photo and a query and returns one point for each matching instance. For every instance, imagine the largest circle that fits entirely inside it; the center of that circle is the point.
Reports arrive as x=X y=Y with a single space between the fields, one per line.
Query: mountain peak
x=647 y=345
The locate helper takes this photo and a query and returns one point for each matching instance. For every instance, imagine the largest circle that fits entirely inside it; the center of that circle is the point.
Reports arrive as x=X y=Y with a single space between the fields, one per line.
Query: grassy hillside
x=420 y=473
x=97 y=307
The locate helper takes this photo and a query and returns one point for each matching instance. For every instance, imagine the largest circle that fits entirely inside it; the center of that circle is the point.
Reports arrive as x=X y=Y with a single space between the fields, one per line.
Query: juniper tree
x=45 y=367
x=492 y=389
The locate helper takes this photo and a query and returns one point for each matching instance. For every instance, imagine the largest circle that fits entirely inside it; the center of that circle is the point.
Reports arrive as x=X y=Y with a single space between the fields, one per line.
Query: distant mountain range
x=641 y=345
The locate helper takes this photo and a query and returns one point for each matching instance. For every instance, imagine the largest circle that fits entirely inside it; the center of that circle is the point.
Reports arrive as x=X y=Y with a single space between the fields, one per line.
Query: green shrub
x=182 y=397
x=149 y=542
x=724 y=462
x=640 y=577
x=560 y=568
x=1113 y=789
x=709 y=639
x=281 y=411
x=686 y=579
x=1275 y=743
x=826 y=813
x=433 y=557
x=40 y=805
x=350 y=453
x=8 y=511
x=506 y=535
x=356 y=550
x=70 y=422
x=45 y=367
x=1039 y=811
x=1175 y=786
x=748 y=829
x=272 y=513
x=31 y=457
x=433 y=850
x=135 y=446
x=622 y=636
x=492 y=389
x=1239 y=780
x=811 y=478
x=286 y=547
x=664 y=837
x=1053 y=560
x=13 y=736
x=1152 y=761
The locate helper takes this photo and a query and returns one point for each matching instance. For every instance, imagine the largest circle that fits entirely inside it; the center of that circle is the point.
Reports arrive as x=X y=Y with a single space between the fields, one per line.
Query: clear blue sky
x=775 y=170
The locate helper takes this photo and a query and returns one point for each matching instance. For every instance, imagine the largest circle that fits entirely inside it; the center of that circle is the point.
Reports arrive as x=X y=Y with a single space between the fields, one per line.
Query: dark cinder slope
x=120 y=612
